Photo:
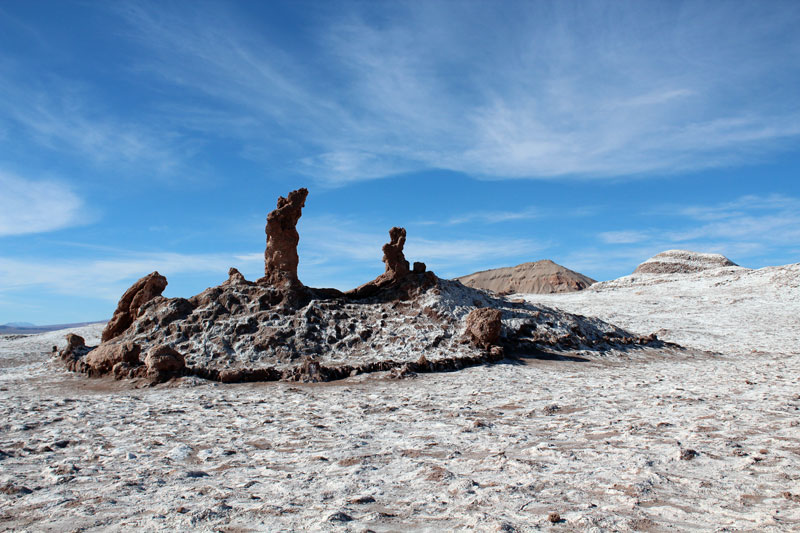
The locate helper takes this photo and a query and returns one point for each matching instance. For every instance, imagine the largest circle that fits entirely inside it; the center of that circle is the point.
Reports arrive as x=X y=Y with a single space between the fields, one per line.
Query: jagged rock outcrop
x=398 y=280
x=682 y=262
x=406 y=319
x=393 y=257
x=136 y=296
x=280 y=256
x=538 y=277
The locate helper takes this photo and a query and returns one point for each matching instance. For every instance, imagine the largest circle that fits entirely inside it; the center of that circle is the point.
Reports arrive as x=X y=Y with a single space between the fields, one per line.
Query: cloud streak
x=749 y=226
x=30 y=206
x=587 y=89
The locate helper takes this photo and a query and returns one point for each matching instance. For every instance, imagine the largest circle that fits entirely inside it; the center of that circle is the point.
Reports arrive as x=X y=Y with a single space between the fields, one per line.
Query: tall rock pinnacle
x=280 y=257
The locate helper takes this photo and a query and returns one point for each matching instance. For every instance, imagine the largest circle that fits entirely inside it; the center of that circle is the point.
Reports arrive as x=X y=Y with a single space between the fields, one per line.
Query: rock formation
x=393 y=258
x=405 y=321
x=484 y=326
x=539 y=277
x=682 y=262
x=280 y=256
x=397 y=281
x=139 y=294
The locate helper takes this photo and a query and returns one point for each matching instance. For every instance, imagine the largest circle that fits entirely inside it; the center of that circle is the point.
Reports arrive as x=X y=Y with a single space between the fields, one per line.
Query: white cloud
x=747 y=227
x=494 y=217
x=567 y=91
x=28 y=206
x=623 y=237
x=108 y=278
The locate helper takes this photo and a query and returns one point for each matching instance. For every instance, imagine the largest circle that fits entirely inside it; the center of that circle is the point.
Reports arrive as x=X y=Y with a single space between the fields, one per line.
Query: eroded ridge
x=406 y=320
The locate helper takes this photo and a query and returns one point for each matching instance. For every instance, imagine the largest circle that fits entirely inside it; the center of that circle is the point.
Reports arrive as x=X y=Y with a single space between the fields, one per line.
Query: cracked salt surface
x=645 y=441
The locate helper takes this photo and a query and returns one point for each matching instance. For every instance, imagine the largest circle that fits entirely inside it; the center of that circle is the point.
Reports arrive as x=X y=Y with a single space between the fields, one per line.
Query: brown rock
x=74 y=342
x=73 y=353
x=102 y=359
x=396 y=264
x=483 y=326
x=164 y=359
x=139 y=294
x=280 y=257
x=235 y=277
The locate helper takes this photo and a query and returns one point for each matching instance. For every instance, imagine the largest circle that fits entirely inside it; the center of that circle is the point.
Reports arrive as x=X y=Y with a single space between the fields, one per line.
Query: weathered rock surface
x=278 y=329
x=393 y=257
x=682 y=262
x=280 y=256
x=164 y=359
x=139 y=294
x=484 y=326
x=539 y=277
x=397 y=281
x=101 y=360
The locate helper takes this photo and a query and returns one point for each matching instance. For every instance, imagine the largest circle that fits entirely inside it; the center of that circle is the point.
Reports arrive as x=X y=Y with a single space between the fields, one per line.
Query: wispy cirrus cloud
x=37 y=206
x=67 y=116
x=747 y=227
x=570 y=91
x=108 y=277
x=495 y=217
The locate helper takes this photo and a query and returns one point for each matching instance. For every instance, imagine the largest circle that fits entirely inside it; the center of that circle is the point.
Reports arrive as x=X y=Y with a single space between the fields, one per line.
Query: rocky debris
x=682 y=262
x=539 y=277
x=139 y=294
x=405 y=321
x=483 y=326
x=280 y=256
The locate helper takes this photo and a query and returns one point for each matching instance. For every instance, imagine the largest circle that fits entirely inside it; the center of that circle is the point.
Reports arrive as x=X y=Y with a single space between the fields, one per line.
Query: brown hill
x=540 y=277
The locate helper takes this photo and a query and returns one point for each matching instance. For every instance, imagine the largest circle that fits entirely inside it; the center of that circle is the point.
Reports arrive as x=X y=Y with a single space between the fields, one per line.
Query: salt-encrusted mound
x=540 y=277
x=682 y=262
x=274 y=329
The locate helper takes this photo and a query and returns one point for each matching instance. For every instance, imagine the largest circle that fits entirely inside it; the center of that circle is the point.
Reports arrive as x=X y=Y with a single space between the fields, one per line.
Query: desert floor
x=666 y=441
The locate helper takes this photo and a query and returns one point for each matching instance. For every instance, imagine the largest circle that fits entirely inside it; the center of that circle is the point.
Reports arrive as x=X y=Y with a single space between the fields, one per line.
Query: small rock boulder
x=163 y=359
x=74 y=351
x=483 y=326
x=102 y=359
x=136 y=296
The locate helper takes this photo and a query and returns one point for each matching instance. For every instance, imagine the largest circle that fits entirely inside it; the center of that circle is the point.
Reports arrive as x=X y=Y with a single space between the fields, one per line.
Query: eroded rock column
x=280 y=257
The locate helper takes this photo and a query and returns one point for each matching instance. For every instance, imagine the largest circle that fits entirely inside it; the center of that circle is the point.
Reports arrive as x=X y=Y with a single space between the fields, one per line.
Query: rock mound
x=406 y=319
x=682 y=262
x=539 y=277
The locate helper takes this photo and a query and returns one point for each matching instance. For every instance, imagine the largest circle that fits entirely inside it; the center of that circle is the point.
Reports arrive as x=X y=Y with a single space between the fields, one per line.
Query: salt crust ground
x=493 y=448
x=728 y=310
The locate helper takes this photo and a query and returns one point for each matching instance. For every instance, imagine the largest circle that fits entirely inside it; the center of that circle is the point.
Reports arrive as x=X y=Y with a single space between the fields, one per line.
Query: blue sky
x=141 y=136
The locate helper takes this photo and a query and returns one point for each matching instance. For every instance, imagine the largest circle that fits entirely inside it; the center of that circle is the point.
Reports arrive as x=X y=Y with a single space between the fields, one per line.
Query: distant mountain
x=539 y=277
x=20 y=325
x=13 y=328
x=682 y=262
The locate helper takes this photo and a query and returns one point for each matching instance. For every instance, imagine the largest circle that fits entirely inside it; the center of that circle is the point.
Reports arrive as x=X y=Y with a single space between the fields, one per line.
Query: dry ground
x=604 y=443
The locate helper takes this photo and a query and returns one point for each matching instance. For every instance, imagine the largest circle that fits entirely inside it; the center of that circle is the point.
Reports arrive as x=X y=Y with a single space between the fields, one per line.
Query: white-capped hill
x=682 y=262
